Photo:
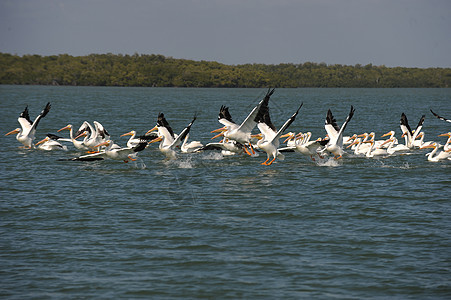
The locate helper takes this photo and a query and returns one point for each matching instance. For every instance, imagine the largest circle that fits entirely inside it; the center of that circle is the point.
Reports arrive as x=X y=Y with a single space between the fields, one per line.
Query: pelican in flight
x=51 y=142
x=240 y=133
x=335 y=133
x=168 y=141
x=441 y=118
x=270 y=140
x=26 y=133
x=408 y=134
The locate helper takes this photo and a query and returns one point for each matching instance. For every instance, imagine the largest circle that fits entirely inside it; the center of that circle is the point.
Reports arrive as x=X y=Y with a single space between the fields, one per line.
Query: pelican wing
x=24 y=120
x=419 y=127
x=183 y=134
x=441 y=118
x=404 y=124
x=287 y=123
x=250 y=122
x=44 y=112
x=331 y=126
x=101 y=131
x=91 y=157
x=339 y=140
x=225 y=118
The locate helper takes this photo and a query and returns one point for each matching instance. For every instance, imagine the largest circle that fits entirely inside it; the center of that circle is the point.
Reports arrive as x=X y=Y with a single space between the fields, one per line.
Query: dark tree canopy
x=160 y=71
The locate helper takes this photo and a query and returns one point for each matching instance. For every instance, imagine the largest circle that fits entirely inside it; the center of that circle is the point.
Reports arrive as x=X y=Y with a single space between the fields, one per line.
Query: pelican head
x=42 y=141
x=84 y=133
x=15 y=131
x=68 y=127
x=390 y=133
x=106 y=143
x=131 y=133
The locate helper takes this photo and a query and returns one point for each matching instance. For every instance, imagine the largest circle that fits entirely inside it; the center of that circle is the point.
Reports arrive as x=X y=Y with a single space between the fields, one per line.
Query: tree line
x=160 y=71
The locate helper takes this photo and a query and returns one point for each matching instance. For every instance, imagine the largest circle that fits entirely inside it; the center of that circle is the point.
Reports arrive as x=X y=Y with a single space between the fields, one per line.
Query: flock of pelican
x=236 y=138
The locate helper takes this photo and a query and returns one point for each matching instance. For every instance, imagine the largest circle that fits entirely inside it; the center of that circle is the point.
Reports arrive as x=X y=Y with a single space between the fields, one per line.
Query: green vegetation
x=160 y=71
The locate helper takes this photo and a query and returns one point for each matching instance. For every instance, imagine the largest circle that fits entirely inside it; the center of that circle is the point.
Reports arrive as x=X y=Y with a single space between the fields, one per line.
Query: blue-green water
x=208 y=226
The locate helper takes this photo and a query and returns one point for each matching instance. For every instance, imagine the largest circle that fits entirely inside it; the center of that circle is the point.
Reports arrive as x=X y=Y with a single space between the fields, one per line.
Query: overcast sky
x=407 y=33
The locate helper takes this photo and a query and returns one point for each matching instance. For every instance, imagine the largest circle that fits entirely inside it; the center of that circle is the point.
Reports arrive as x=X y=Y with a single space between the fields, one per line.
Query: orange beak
x=222 y=129
x=218 y=135
x=15 y=131
x=65 y=128
x=84 y=133
x=43 y=141
x=129 y=133
x=153 y=129
x=158 y=139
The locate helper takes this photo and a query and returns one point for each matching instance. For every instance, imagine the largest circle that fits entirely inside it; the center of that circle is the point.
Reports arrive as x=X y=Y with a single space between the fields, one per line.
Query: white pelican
x=191 y=146
x=392 y=149
x=167 y=137
x=26 y=133
x=371 y=152
x=115 y=152
x=335 y=144
x=442 y=155
x=135 y=140
x=77 y=144
x=271 y=138
x=240 y=133
x=408 y=134
x=441 y=118
x=50 y=142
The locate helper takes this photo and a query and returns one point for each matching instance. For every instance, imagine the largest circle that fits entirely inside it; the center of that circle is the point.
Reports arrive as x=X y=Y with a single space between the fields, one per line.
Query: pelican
x=191 y=146
x=371 y=152
x=270 y=140
x=135 y=140
x=26 y=133
x=442 y=155
x=408 y=134
x=240 y=133
x=115 y=152
x=392 y=149
x=441 y=118
x=335 y=145
x=77 y=144
x=167 y=137
x=50 y=142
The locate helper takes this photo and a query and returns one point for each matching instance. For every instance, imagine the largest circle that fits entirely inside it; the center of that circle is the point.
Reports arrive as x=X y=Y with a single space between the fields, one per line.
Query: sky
x=406 y=33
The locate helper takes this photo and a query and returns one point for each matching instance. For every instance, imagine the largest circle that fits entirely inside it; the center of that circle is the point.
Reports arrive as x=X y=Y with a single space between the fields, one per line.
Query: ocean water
x=223 y=227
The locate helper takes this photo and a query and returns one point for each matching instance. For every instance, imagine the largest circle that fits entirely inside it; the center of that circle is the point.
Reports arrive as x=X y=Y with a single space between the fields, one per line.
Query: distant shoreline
x=160 y=71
